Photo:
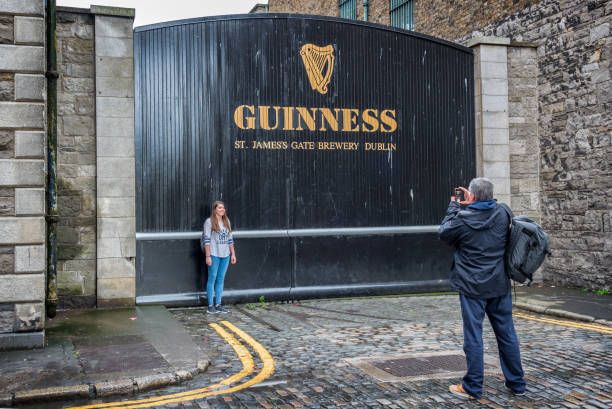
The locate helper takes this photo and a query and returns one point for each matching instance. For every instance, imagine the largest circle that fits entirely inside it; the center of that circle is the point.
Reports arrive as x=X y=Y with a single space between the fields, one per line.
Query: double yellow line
x=218 y=388
x=591 y=327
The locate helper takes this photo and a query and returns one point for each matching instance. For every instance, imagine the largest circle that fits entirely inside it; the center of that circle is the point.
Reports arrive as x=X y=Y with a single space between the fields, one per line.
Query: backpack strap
x=508 y=211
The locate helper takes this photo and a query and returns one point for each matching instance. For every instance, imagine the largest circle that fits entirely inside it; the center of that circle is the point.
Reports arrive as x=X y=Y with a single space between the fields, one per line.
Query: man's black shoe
x=513 y=391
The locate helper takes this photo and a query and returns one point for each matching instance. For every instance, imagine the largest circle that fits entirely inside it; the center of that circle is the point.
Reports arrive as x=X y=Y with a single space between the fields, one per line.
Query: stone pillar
x=116 y=237
x=492 y=125
x=22 y=173
x=523 y=127
x=76 y=145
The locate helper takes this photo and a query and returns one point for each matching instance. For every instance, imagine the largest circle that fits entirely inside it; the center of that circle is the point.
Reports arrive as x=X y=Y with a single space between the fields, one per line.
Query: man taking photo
x=478 y=234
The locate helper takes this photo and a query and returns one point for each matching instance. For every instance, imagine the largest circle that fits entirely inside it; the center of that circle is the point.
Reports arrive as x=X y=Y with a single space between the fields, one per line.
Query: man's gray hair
x=482 y=188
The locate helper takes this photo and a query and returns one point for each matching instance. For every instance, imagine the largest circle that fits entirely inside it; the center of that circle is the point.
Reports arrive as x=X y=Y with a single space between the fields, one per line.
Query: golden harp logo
x=319 y=63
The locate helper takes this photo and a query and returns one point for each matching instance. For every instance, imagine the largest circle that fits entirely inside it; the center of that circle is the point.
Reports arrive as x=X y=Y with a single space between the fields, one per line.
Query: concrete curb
x=125 y=386
x=559 y=313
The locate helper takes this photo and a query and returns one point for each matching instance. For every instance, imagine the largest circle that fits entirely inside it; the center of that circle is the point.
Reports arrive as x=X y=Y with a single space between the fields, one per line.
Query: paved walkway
x=354 y=354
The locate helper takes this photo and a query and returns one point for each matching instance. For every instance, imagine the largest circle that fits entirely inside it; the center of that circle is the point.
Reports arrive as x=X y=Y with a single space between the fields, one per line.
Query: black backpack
x=526 y=247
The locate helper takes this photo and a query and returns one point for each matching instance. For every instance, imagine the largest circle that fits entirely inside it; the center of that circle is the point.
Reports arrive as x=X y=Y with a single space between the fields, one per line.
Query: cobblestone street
x=312 y=342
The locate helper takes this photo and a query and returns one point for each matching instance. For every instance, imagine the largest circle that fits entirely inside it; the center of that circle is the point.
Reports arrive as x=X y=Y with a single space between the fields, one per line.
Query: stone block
x=116 y=167
x=113 y=107
x=22 y=288
x=7 y=206
x=115 y=87
x=495 y=136
x=115 y=207
x=109 y=288
x=30 y=87
x=495 y=153
x=116 y=247
x=112 y=187
x=7 y=143
x=501 y=186
x=78 y=125
x=22 y=58
x=22 y=7
x=22 y=230
x=7 y=259
x=81 y=85
x=22 y=172
x=29 y=30
x=29 y=202
x=117 y=27
x=599 y=32
x=26 y=340
x=117 y=127
x=117 y=227
x=496 y=70
x=22 y=115
x=493 y=53
x=494 y=86
x=496 y=169
x=495 y=120
x=29 y=144
x=7 y=29
x=7 y=86
x=114 y=47
x=495 y=103
x=115 y=147
x=116 y=67
x=7 y=318
x=29 y=317
x=116 y=268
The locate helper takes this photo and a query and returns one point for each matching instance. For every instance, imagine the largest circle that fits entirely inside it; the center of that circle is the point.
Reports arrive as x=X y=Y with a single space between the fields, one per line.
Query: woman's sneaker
x=212 y=310
x=221 y=309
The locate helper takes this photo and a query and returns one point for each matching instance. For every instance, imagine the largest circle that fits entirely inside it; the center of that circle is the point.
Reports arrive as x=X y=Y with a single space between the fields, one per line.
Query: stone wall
x=523 y=130
x=378 y=10
x=22 y=173
x=116 y=192
x=76 y=233
x=574 y=127
x=319 y=7
x=451 y=19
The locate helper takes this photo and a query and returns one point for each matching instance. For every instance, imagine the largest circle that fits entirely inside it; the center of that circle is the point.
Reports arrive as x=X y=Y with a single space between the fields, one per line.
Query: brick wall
x=319 y=7
x=76 y=233
x=378 y=10
x=22 y=173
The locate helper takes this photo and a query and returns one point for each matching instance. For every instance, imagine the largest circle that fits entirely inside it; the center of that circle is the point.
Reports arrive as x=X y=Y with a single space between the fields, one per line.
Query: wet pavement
x=324 y=352
x=87 y=347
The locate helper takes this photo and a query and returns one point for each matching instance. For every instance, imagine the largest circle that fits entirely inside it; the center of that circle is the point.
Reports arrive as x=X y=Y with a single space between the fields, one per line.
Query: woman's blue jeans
x=499 y=311
x=216 y=276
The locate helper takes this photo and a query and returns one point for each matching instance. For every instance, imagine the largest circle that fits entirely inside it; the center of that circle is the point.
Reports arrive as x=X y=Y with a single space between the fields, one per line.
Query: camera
x=458 y=195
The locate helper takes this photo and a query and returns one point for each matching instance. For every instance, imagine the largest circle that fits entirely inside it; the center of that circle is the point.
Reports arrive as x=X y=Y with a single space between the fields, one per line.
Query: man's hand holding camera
x=463 y=196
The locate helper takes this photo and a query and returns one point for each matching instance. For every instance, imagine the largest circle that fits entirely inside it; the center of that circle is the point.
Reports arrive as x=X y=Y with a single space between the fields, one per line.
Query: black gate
x=334 y=143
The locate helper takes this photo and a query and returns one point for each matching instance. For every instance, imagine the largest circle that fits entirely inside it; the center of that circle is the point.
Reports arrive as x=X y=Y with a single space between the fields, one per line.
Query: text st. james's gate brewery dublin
x=319 y=65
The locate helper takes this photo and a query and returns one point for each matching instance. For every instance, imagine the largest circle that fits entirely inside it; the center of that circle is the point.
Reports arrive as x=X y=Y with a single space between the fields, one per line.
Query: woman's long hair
x=213 y=217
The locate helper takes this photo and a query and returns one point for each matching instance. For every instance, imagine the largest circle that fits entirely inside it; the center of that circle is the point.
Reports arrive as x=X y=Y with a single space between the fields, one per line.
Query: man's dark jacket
x=479 y=239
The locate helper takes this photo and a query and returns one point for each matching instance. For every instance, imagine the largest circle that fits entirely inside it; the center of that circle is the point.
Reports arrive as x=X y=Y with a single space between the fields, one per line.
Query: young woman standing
x=218 y=246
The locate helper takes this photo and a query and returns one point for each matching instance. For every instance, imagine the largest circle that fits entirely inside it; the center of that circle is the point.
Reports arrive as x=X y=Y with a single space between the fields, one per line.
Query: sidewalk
x=95 y=353
x=564 y=302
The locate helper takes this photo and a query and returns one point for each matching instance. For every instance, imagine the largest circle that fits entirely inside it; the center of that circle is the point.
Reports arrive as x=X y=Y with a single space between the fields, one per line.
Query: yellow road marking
x=247 y=369
x=592 y=327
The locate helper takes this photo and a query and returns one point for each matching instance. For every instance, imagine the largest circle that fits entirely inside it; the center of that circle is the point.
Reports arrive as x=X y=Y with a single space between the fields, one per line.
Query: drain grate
x=425 y=365
x=420 y=366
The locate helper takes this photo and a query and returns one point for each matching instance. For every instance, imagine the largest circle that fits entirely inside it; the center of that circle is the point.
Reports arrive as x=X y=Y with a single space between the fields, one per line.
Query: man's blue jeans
x=499 y=311
x=216 y=276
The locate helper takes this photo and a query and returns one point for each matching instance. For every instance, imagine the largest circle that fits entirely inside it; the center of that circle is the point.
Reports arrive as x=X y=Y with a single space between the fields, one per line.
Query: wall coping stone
x=474 y=41
x=77 y=10
x=529 y=44
x=113 y=11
